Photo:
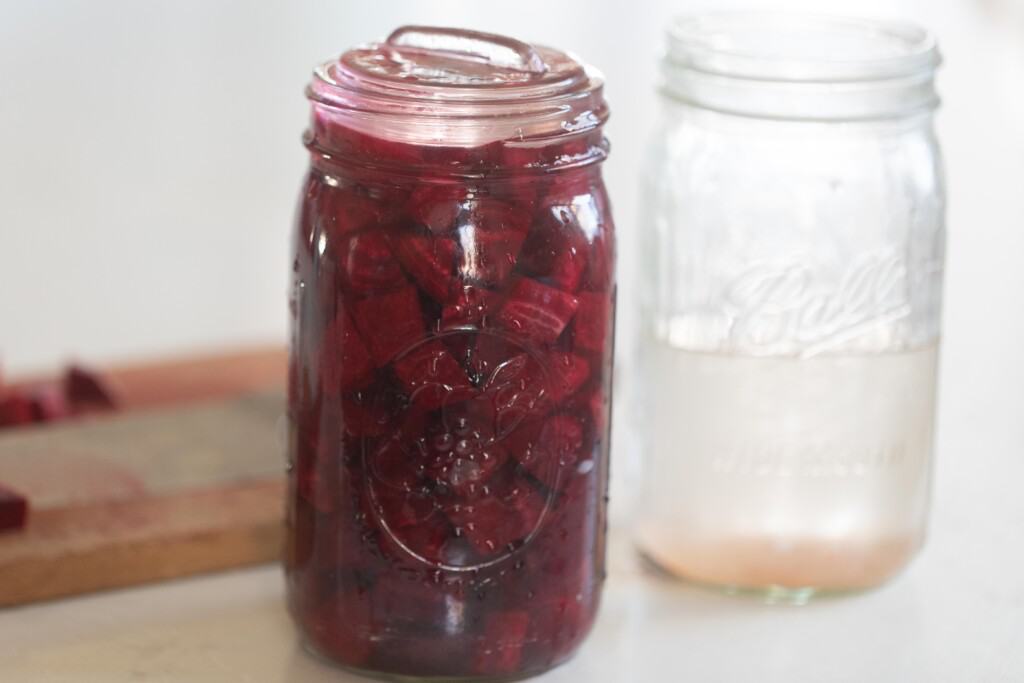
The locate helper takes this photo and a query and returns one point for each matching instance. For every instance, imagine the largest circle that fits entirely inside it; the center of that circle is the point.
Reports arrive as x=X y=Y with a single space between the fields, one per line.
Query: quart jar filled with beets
x=452 y=311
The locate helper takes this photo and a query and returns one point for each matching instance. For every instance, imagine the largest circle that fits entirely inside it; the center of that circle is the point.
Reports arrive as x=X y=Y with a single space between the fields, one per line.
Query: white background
x=149 y=164
x=150 y=160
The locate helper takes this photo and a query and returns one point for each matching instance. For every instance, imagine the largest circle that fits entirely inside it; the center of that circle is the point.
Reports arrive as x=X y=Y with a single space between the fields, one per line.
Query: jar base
x=761 y=575
x=376 y=675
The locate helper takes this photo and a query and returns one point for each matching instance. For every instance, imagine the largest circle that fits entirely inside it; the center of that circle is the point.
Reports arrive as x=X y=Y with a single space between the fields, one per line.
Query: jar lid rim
x=444 y=71
x=460 y=87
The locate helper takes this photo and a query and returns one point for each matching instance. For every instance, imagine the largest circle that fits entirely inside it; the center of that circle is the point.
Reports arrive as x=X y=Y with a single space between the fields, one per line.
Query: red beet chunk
x=410 y=604
x=590 y=329
x=600 y=273
x=557 y=448
x=344 y=211
x=402 y=510
x=84 y=387
x=568 y=372
x=15 y=410
x=561 y=620
x=557 y=249
x=363 y=416
x=413 y=523
x=318 y=488
x=487 y=257
x=396 y=466
x=49 y=403
x=368 y=149
x=469 y=306
x=367 y=264
x=436 y=207
x=331 y=539
x=432 y=376
x=13 y=510
x=591 y=402
x=513 y=381
x=345 y=362
x=536 y=311
x=504 y=636
x=466 y=466
x=390 y=323
x=496 y=524
x=428 y=260
x=337 y=626
x=491 y=233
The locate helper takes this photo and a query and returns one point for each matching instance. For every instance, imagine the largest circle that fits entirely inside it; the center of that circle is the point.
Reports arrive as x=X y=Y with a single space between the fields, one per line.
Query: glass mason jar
x=793 y=254
x=451 y=355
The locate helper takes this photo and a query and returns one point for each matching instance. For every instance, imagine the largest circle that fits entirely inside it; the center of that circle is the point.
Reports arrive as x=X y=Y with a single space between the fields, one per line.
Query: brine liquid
x=801 y=473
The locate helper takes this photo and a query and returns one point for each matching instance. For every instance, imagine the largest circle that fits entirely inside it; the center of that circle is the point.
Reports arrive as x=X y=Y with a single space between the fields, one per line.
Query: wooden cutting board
x=187 y=477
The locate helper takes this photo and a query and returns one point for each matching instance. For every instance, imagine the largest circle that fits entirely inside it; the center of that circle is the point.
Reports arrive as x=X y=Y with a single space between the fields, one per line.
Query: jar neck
x=800 y=67
x=381 y=142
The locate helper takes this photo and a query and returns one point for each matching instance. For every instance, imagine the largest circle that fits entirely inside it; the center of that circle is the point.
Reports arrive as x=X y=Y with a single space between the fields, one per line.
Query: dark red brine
x=451 y=359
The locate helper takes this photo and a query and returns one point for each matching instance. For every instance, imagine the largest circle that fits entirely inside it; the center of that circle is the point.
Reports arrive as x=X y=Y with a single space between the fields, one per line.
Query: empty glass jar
x=793 y=277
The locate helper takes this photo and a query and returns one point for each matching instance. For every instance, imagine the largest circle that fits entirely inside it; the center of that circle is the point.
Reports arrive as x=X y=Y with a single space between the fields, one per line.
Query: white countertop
x=957 y=614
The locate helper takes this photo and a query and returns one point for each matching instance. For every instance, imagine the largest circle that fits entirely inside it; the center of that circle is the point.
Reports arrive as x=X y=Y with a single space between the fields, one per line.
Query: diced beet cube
x=413 y=521
x=436 y=207
x=390 y=323
x=337 y=626
x=600 y=272
x=428 y=260
x=591 y=403
x=15 y=410
x=84 y=387
x=467 y=466
x=558 y=446
x=566 y=187
x=432 y=376
x=497 y=523
x=407 y=604
x=491 y=233
x=430 y=540
x=512 y=380
x=394 y=465
x=365 y=417
x=345 y=362
x=469 y=306
x=561 y=620
x=401 y=509
x=13 y=510
x=568 y=372
x=488 y=258
x=49 y=402
x=557 y=249
x=327 y=540
x=504 y=636
x=344 y=141
x=536 y=311
x=300 y=520
x=590 y=329
x=367 y=264
x=343 y=210
x=318 y=488
x=473 y=419
x=521 y=440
